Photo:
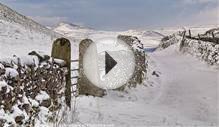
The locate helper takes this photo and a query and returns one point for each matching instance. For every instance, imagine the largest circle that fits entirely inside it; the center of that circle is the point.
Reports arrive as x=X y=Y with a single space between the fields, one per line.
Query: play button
x=108 y=63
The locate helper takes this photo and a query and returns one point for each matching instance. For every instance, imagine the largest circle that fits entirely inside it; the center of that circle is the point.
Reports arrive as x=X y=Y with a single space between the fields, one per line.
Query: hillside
x=12 y=16
x=20 y=35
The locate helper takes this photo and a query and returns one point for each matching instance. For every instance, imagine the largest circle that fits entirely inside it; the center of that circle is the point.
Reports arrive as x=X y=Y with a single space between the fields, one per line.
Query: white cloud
x=207 y=14
x=205 y=17
x=48 y=20
x=199 y=1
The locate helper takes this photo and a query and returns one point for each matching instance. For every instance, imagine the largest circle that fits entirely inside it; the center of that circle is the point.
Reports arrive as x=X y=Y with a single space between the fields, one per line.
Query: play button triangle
x=109 y=62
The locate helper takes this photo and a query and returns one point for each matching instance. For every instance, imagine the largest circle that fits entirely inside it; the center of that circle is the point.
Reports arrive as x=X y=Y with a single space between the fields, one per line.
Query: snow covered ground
x=181 y=92
x=184 y=94
x=189 y=87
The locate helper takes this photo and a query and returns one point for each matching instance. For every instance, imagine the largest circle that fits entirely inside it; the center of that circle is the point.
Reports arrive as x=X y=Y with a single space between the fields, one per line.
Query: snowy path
x=188 y=86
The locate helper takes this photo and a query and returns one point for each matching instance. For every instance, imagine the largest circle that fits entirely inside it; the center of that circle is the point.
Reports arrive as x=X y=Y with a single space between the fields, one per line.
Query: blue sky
x=120 y=14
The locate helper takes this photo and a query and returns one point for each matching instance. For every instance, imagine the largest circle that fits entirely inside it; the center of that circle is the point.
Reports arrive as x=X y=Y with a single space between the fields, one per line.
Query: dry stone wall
x=30 y=89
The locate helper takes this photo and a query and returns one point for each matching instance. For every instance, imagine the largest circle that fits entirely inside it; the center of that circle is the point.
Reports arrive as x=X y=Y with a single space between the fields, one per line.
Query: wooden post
x=213 y=35
x=182 y=41
x=190 y=35
x=61 y=49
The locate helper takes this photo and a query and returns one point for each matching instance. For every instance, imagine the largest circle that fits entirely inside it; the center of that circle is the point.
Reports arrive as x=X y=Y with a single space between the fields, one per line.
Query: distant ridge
x=76 y=26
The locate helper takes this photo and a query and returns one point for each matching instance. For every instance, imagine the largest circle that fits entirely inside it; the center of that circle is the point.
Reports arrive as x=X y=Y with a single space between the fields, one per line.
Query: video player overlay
x=110 y=63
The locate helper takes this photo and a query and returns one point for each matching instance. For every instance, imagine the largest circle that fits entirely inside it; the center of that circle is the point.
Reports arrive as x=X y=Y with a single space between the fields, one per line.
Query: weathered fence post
x=61 y=49
x=182 y=43
x=190 y=34
x=213 y=35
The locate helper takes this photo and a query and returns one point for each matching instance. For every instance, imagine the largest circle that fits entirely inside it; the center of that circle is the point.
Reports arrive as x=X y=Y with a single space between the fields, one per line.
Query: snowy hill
x=67 y=25
x=72 y=30
x=80 y=32
x=12 y=16
x=20 y=35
